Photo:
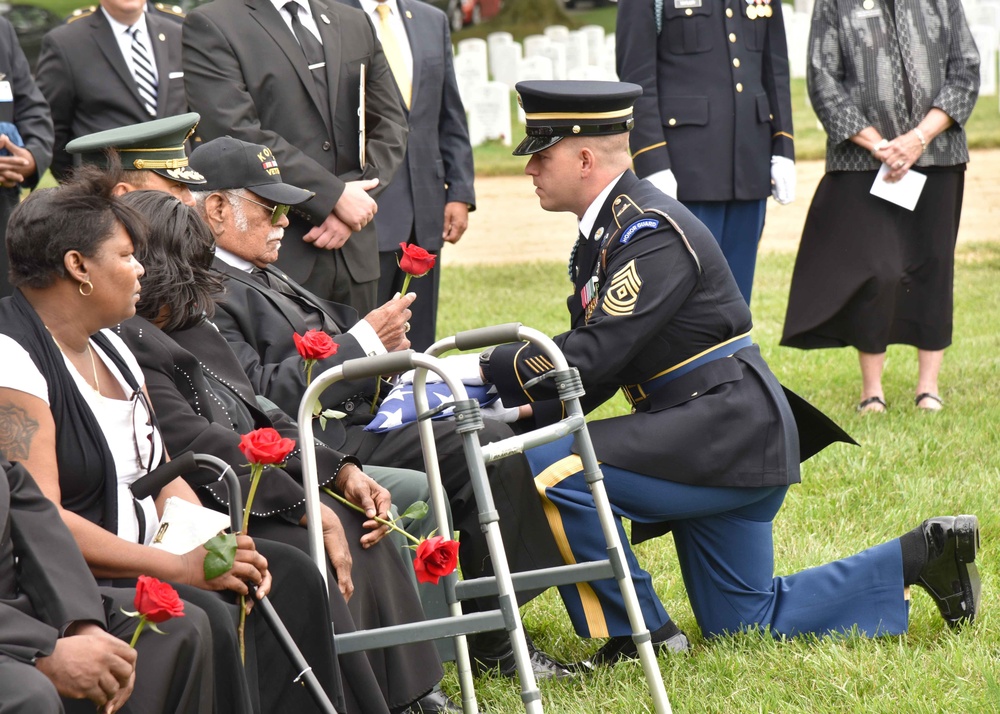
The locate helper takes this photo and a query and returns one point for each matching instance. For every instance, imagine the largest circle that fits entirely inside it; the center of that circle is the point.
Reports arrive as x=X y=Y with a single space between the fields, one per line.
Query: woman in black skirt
x=893 y=82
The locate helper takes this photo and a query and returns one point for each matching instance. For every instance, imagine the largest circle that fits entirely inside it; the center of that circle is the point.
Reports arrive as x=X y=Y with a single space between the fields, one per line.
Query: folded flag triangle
x=399 y=409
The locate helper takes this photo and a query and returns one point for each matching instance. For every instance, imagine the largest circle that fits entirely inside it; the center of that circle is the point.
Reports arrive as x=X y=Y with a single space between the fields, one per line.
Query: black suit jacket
x=247 y=76
x=84 y=77
x=438 y=166
x=49 y=586
x=258 y=323
x=716 y=103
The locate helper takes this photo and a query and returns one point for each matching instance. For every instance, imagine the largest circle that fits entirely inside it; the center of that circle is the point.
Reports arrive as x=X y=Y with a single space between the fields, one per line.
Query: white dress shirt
x=123 y=33
x=305 y=16
x=590 y=215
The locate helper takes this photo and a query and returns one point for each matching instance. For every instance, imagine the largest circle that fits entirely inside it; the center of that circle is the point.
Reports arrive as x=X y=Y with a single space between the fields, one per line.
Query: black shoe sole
x=967 y=543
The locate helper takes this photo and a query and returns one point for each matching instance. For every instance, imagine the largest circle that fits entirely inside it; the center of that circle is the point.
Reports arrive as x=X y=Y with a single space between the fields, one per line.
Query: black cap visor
x=282 y=193
x=533 y=144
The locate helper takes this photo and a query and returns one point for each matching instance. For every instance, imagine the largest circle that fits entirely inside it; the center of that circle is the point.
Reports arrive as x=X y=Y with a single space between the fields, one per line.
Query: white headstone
x=473 y=46
x=494 y=41
x=556 y=52
x=577 y=51
x=983 y=13
x=470 y=71
x=986 y=40
x=557 y=33
x=797 y=37
x=610 y=64
x=589 y=73
x=595 y=44
x=536 y=67
x=504 y=61
x=535 y=45
x=489 y=113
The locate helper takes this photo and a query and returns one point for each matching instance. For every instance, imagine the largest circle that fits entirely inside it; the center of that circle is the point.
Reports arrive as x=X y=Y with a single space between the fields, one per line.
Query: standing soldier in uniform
x=713 y=441
x=713 y=127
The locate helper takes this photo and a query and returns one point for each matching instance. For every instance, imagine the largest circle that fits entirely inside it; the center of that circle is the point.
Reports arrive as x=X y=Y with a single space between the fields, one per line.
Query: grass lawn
x=911 y=465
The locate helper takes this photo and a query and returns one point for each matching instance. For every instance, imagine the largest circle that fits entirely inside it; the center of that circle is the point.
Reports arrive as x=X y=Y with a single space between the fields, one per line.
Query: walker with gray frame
x=468 y=420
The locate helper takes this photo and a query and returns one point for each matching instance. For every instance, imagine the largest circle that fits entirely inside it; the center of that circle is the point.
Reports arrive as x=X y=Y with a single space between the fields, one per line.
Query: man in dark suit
x=61 y=647
x=293 y=80
x=713 y=127
x=428 y=201
x=25 y=134
x=107 y=68
x=261 y=309
x=656 y=314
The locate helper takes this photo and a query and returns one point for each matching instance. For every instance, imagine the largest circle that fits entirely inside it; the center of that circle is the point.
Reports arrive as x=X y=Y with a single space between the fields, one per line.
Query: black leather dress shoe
x=669 y=639
x=950 y=574
x=544 y=666
x=436 y=701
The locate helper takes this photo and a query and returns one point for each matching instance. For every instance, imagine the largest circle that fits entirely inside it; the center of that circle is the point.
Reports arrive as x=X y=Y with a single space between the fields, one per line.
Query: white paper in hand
x=185 y=526
x=904 y=192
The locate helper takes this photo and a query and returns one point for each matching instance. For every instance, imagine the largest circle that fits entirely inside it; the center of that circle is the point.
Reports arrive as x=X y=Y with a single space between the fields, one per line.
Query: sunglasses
x=277 y=211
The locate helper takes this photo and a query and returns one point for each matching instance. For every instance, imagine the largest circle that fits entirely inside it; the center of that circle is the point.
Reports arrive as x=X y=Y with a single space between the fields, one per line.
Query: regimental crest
x=623 y=291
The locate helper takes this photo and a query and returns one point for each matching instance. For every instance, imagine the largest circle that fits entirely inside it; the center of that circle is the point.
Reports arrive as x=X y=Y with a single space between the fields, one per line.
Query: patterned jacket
x=865 y=69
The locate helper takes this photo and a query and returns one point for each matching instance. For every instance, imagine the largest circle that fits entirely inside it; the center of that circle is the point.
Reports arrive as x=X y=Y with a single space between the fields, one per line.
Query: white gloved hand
x=782 y=179
x=664 y=181
x=498 y=412
x=462 y=367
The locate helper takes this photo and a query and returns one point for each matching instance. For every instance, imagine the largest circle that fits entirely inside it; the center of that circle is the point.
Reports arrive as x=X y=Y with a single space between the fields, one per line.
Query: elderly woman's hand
x=249 y=566
x=900 y=154
x=362 y=490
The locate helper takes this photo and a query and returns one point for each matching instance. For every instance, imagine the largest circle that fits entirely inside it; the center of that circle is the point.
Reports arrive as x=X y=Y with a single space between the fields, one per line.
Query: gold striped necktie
x=393 y=54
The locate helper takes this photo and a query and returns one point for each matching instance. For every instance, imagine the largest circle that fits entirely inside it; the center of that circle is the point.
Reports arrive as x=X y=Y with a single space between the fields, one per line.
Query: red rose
x=436 y=557
x=315 y=344
x=265 y=446
x=157 y=601
x=416 y=261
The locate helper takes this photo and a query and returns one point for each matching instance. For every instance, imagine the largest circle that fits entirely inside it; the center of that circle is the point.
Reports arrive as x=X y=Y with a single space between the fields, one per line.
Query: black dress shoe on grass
x=950 y=574
x=435 y=701
x=544 y=666
x=669 y=639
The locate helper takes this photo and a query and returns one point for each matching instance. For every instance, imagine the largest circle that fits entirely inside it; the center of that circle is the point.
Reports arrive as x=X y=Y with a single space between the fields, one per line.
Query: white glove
x=462 y=367
x=498 y=412
x=664 y=181
x=782 y=179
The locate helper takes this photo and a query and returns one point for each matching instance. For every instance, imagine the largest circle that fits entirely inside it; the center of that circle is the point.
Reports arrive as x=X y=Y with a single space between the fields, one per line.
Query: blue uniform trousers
x=724 y=546
x=737 y=226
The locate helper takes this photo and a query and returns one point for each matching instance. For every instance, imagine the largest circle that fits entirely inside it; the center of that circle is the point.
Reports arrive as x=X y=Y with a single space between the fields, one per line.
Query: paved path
x=510 y=227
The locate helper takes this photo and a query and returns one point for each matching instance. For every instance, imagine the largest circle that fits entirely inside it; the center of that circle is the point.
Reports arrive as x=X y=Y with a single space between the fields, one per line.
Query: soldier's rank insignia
x=623 y=291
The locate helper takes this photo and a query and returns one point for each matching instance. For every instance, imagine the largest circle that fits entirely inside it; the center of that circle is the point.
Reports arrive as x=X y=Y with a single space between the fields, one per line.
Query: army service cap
x=230 y=163
x=555 y=109
x=156 y=146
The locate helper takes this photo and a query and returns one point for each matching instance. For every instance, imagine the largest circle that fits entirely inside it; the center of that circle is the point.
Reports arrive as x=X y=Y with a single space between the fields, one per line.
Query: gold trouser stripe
x=551 y=476
x=783 y=133
x=617 y=114
x=692 y=359
x=649 y=148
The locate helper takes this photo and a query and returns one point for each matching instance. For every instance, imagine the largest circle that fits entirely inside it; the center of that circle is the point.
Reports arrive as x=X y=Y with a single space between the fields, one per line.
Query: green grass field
x=910 y=465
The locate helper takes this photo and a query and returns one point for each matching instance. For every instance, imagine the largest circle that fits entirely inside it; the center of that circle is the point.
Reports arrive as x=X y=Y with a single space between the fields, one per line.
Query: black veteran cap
x=229 y=163
x=557 y=109
x=156 y=145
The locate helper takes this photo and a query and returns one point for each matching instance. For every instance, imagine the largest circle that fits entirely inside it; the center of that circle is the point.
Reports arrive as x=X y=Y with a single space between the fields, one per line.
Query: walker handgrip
x=487 y=336
x=389 y=363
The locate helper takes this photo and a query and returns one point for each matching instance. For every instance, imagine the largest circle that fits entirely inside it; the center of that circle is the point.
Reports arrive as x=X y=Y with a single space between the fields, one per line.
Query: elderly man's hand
x=91 y=664
x=391 y=321
x=363 y=491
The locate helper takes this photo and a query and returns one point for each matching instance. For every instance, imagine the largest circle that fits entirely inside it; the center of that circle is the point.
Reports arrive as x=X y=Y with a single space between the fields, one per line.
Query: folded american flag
x=398 y=408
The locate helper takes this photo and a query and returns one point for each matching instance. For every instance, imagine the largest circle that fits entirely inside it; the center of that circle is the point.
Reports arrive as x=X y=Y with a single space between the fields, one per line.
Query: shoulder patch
x=636 y=227
x=623 y=291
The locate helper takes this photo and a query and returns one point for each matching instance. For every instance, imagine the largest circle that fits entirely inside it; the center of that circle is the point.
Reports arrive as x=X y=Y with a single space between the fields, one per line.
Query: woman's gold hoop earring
x=89 y=292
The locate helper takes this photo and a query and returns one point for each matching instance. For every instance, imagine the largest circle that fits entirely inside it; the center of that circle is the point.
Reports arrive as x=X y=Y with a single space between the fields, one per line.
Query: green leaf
x=221 y=555
x=417 y=511
x=334 y=414
x=322 y=422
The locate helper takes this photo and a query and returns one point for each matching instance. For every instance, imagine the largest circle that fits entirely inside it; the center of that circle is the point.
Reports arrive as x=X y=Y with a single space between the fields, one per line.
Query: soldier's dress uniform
x=715 y=107
x=713 y=442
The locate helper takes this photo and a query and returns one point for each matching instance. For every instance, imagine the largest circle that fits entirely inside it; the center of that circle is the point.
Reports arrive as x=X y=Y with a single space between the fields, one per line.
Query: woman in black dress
x=893 y=82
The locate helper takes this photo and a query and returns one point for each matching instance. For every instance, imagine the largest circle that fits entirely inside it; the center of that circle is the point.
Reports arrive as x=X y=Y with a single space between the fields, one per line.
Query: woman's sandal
x=929 y=395
x=868 y=406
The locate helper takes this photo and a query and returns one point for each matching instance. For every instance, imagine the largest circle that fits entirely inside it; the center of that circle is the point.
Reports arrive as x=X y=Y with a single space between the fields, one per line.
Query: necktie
x=393 y=54
x=313 y=50
x=145 y=75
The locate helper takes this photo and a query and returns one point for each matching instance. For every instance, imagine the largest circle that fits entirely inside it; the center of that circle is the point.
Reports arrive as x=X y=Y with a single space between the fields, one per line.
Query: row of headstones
x=559 y=53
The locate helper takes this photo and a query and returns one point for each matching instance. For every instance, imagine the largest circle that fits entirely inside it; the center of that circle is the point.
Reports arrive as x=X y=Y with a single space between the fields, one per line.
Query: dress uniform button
x=771 y=117
x=736 y=61
x=327 y=146
x=689 y=12
x=729 y=12
x=732 y=37
x=739 y=87
x=672 y=121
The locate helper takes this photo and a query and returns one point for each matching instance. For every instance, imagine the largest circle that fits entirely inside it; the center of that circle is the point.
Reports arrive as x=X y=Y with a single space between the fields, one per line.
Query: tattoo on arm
x=16 y=432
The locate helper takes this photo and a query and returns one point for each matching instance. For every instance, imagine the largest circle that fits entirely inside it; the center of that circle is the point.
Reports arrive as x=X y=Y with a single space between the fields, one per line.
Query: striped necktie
x=394 y=54
x=145 y=75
